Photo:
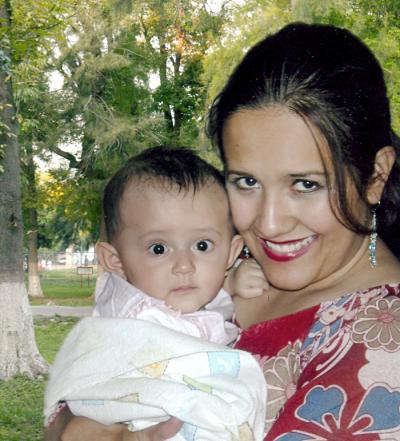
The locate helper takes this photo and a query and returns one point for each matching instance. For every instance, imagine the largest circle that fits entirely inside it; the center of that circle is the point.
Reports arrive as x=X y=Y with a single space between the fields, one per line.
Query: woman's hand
x=247 y=280
x=83 y=429
x=70 y=428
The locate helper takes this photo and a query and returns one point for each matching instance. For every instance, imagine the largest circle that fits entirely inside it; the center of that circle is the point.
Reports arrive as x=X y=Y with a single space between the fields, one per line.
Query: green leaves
x=109 y=52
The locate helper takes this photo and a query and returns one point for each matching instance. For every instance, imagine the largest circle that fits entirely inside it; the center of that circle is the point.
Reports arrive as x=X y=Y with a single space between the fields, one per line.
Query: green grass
x=65 y=287
x=50 y=333
x=62 y=283
x=21 y=399
x=21 y=409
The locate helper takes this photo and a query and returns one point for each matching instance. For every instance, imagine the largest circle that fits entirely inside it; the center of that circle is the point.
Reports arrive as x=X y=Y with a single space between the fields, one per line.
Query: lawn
x=66 y=287
x=21 y=399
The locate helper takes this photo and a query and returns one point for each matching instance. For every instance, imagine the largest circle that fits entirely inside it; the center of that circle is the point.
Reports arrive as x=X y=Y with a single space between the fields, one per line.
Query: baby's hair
x=169 y=167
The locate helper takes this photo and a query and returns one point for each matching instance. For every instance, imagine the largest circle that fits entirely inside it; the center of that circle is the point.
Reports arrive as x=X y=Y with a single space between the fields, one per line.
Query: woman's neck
x=356 y=275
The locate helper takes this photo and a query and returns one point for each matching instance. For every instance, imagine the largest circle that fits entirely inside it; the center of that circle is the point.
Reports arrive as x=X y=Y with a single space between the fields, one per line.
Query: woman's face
x=279 y=198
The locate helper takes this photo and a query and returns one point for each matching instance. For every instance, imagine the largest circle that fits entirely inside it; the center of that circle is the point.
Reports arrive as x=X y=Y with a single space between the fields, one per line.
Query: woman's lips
x=288 y=250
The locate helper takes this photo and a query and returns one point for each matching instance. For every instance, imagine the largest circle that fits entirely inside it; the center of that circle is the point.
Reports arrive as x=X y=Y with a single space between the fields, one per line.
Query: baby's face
x=175 y=246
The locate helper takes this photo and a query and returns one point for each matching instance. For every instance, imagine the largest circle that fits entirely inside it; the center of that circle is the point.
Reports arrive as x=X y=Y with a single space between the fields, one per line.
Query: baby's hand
x=246 y=280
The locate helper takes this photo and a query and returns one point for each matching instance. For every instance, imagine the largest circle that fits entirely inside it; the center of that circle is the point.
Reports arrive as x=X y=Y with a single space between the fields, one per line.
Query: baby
x=170 y=242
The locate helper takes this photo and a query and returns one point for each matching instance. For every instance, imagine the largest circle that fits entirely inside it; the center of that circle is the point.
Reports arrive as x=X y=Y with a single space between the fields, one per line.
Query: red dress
x=333 y=370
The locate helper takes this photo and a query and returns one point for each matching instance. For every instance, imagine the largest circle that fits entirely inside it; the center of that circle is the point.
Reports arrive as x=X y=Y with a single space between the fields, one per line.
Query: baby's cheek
x=242 y=215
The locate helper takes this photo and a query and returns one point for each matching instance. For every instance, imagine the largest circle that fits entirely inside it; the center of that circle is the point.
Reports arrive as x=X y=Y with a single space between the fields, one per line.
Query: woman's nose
x=275 y=216
x=183 y=262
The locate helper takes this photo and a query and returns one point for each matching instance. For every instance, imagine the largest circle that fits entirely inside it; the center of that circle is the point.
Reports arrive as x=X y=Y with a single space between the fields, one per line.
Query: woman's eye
x=158 y=249
x=306 y=186
x=204 y=245
x=245 y=183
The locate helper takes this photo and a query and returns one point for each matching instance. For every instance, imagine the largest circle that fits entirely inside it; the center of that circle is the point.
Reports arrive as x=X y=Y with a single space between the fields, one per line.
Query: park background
x=84 y=84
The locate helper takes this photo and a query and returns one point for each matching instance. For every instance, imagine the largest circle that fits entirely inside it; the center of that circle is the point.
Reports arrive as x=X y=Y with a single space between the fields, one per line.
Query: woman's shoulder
x=365 y=295
x=324 y=319
x=338 y=349
x=356 y=311
x=347 y=365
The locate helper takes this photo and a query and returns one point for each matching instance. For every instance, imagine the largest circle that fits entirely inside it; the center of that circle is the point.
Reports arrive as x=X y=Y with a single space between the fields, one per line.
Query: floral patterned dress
x=333 y=370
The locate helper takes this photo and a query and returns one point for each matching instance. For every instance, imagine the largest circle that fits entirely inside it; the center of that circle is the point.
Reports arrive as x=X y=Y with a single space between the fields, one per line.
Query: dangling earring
x=372 y=238
x=245 y=252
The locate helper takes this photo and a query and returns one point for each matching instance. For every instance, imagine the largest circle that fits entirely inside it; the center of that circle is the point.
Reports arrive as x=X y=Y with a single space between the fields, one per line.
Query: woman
x=303 y=128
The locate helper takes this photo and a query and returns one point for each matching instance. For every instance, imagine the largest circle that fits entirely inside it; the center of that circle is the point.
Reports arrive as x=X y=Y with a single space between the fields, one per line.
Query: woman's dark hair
x=329 y=78
x=169 y=167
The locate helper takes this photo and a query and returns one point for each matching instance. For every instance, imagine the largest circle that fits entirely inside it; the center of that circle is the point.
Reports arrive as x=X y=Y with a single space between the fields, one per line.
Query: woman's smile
x=278 y=188
x=288 y=250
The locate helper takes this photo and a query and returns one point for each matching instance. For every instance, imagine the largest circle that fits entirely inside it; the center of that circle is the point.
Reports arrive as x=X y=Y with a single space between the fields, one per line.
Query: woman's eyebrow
x=238 y=172
x=307 y=173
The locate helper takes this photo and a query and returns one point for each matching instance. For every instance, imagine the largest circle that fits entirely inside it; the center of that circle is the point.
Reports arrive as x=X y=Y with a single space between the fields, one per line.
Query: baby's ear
x=109 y=258
x=236 y=248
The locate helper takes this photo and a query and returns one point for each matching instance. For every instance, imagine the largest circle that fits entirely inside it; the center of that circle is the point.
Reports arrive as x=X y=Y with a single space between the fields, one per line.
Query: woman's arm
x=54 y=431
x=67 y=427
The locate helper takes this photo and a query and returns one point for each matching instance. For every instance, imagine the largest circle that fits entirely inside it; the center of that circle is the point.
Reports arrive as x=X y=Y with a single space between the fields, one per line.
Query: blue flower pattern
x=321 y=402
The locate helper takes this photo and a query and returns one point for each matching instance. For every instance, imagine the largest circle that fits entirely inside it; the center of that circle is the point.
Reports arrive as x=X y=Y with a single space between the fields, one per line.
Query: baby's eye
x=158 y=248
x=204 y=245
x=306 y=186
x=245 y=182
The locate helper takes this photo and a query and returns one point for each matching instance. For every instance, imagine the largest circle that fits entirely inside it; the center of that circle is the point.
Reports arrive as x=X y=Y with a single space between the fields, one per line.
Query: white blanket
x=127 y=370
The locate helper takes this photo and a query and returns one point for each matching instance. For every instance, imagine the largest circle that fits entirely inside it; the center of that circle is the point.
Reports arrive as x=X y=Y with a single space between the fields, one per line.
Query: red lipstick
x=288 y=255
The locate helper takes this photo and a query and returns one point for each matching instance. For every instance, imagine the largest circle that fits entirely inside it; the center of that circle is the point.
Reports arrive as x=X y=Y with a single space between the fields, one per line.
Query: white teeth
x=289 y=248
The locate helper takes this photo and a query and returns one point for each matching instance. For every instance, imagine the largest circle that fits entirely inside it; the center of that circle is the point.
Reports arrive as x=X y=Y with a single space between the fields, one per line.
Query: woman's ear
x=384 y=161
x=236 y=248
x=109 y=258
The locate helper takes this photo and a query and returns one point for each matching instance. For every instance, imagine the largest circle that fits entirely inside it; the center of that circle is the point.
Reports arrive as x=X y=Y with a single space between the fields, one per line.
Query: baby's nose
x=183 y=262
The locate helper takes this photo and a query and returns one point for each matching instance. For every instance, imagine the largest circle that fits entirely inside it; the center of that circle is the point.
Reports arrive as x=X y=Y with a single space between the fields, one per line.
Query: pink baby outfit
x=115 y=297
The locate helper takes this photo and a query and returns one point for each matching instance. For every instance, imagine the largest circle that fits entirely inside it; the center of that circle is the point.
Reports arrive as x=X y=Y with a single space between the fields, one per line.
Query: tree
x=34 y=285
x=109 y=51
x=376 y=23
x=247 y=23
x=106 y=107
x=177 y=34
x=32 y=23
x=19 y=354
x=33 y=128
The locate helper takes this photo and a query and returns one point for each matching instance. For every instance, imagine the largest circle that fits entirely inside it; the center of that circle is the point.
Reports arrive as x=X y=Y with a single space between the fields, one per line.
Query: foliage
x=69 y=209
x=107 y=107
x=248 y=23
x=376 y=23
x=24 y=38
x=138 y=74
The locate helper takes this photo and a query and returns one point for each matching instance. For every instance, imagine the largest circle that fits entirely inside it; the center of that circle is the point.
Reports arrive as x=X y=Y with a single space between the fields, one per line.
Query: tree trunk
x=18 y=350
x=162 y=72
x=34 y=286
